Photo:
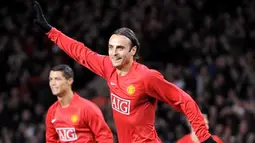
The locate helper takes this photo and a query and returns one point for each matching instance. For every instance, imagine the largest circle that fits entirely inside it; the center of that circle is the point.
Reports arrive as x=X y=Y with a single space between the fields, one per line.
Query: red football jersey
x=80 y=122
x=187 y=139
x=134 y=96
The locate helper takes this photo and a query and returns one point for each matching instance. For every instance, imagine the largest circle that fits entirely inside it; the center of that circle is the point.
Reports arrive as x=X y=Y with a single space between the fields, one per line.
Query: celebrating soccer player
x=134 y=88
x=73 y=118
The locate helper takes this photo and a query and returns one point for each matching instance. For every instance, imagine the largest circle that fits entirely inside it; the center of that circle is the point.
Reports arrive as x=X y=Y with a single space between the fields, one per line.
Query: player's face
x=58 y=83
x=120 y=50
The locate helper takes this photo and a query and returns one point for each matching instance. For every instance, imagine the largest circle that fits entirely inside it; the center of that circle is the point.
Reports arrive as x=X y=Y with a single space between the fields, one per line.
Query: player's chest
x=126 y=94
x=69 y=118
x=66 y=121
x=130 y=88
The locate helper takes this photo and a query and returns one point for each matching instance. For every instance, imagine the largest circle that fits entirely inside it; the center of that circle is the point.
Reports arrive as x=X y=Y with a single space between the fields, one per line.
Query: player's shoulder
x=91 y=108
x=53 y=106
x=84 y=102
x=52 y=109
x=80 y=100
x=147 y=73
x=87 y=105
x=106 y=61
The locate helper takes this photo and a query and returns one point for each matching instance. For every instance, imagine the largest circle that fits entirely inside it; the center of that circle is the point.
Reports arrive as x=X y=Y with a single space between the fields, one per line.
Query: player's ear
x=70 y=81
x=133 y=50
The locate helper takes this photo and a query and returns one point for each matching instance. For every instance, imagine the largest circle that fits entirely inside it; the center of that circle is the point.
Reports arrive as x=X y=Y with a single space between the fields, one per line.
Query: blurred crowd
x=205 y=47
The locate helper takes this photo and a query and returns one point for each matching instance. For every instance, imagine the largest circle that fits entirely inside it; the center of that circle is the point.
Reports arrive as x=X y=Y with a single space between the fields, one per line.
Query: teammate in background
x=135 y=89
x=73 y=118
x=192 y=138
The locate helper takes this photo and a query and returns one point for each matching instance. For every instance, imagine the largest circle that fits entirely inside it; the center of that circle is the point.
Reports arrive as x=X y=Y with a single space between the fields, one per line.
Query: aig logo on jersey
x=121 y=105
x=66 y=134
x=131 y=89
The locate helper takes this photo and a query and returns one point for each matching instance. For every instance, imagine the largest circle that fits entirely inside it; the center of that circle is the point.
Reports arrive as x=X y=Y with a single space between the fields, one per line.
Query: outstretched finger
x=37 y=8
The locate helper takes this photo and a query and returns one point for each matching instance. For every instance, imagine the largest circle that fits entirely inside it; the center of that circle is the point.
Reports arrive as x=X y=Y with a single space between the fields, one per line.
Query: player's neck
x=194 y=137
x=125 y=69
x=66 y=98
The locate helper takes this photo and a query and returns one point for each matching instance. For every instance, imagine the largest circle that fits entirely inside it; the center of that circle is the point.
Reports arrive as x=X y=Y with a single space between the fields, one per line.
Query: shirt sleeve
x=217 y=139
x=51 y=134
x=159 y=88
x=95 y=120
x=79 y=52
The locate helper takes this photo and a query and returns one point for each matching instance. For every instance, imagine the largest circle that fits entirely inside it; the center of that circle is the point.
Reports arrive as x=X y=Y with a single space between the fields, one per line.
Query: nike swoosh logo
x=53 y=121
x=112 y=83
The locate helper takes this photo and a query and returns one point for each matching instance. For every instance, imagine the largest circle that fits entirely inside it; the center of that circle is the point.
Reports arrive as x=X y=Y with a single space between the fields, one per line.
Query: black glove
x=40 y=19
x=210 y=140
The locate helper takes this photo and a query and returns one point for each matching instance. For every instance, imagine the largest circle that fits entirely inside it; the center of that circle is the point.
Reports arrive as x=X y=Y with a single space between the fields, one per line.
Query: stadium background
x=205 y=47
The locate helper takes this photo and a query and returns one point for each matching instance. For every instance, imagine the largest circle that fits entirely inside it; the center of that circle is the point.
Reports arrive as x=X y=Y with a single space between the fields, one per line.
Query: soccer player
x=192 y=138
x=134 y=88
x=73 y=118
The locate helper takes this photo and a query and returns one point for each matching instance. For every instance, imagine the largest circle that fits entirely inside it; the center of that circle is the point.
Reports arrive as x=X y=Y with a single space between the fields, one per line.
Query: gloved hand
x=40 y=19
x=210 y=140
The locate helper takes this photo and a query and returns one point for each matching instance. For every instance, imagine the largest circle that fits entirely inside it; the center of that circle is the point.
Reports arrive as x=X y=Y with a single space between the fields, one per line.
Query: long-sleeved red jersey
x=80 y=122
x=134 y=96
x=188 y=139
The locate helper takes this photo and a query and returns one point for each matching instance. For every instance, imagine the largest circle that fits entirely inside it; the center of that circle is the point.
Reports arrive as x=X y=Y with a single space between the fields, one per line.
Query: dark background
x=206 y=47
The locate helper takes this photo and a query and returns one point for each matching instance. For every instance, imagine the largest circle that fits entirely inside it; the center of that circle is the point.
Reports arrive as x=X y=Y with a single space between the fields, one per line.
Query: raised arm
x=79 y=52
x=75 y=49
x=159 y=88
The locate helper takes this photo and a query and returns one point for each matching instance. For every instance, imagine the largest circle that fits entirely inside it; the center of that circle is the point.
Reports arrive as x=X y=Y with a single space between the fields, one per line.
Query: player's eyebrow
x=55 y=78
x=117 y=46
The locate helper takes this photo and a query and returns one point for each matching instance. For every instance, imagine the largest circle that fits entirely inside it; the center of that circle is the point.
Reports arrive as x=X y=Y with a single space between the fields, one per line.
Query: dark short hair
x=67 y=70
x=131 y=36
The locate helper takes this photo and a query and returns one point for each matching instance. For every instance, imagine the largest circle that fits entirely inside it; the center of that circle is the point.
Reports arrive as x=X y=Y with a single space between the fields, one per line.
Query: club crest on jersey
x=131 y=89
x=66 y=134
x=74 y=118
